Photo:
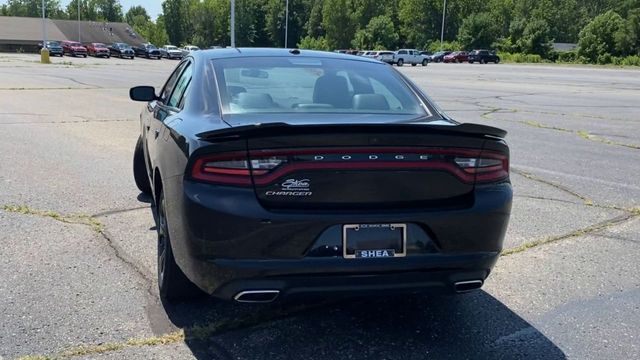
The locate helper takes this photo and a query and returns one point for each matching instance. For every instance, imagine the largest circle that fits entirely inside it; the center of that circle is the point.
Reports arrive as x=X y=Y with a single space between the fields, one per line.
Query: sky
x=154 y=7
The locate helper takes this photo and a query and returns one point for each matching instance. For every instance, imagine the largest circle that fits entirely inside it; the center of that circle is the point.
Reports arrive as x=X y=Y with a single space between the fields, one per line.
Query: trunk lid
x=364 y=166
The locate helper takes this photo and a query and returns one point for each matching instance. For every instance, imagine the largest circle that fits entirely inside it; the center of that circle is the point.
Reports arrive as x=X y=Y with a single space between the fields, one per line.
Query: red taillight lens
x=233 y=168
x=488 y=167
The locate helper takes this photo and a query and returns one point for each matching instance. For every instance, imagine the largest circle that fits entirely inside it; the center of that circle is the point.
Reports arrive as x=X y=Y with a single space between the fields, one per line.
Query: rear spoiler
x=280 y=128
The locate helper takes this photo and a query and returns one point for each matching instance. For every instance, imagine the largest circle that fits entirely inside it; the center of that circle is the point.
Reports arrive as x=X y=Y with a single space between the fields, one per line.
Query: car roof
x=272 y=52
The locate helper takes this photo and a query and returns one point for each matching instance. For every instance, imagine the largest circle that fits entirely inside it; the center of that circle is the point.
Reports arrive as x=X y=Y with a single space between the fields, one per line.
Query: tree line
x=604 y=29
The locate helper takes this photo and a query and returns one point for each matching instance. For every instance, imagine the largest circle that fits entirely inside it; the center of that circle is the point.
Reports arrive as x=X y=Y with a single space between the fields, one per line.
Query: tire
x=400 y=62
x=497 y=61
x=413 y=64
x=425 y=62
x=470 y=62
x=121 y=56
x=140 y=174
x=173 y=285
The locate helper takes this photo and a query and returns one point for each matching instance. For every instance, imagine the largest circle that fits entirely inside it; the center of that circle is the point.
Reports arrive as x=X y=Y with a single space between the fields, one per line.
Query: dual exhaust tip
x=267 y=296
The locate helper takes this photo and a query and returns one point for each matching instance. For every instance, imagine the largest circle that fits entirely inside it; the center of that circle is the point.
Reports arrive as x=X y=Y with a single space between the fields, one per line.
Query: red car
x=98 y=50
x=457 y=57
x=74 y=48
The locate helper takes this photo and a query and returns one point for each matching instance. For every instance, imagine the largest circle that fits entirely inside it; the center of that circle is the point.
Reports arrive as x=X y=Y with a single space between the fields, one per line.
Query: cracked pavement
x=78 y=264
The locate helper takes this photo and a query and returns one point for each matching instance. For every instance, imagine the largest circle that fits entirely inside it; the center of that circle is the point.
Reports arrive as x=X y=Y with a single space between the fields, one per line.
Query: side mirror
x=143 y=93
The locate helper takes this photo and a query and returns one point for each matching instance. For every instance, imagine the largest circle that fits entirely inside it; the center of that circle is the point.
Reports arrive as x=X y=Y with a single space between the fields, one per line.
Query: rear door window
x=181 y=86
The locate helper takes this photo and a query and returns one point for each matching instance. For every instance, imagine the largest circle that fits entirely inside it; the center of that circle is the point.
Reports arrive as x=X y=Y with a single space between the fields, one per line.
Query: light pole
x=444 y=10
x=286 y=25
x=44 y=27
x=79 y=38
x=44 y=52
x=233 y=23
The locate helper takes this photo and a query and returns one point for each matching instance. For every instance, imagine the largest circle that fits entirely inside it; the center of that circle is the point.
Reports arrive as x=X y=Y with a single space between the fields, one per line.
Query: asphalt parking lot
x=77 y=271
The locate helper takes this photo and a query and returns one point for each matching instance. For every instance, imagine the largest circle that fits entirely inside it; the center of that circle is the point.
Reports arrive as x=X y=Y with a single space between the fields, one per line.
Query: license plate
x=374 y=240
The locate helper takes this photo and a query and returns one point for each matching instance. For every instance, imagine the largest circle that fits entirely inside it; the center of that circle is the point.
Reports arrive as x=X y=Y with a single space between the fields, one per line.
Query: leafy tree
x=336 y=21
x=108 y=10
x=308 y=42
x=597 y=38
x=478 y=31
x=210 y=20
x=379 y=34
x=275 y=12
x=536 y=38
x=175 y=20
x=136 y=11
x=419 y=21
x=33 y=8
x=363 y=11
x=313 y=26
x=627 y=38
x=88 y=10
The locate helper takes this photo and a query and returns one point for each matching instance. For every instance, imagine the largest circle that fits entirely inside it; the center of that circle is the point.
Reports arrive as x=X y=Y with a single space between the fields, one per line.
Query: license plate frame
x=394 y=227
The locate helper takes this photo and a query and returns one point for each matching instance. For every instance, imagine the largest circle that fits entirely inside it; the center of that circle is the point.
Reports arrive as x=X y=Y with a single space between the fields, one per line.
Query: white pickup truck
x=410 y=56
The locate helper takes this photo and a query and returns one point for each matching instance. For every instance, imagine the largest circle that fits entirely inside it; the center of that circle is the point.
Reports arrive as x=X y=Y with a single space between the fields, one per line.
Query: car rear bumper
x=435 y=274
x=226 y=242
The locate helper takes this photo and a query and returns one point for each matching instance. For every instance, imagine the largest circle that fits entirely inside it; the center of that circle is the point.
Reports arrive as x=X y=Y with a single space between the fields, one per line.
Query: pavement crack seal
x=585 y=135
x=581 y=133
x=630 y=213
x=82 y=219
x=586 y=201
x=192 y=333
x=580 y=232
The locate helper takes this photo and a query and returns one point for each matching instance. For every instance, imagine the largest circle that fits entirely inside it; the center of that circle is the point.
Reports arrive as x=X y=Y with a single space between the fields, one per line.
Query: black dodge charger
x=286 y=172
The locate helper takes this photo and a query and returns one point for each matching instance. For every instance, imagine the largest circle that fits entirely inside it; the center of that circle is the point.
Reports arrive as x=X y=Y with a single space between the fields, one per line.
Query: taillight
x=263 y=167
x=232 y=168
x=489 y=167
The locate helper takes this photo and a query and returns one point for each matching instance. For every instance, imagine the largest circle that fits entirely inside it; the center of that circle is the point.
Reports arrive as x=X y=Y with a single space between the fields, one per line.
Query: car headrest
x=255 y=100
x=332 y=90
x=370 y=102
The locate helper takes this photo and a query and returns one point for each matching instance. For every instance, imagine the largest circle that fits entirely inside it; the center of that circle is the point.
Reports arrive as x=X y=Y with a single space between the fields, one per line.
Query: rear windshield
x=312 y=85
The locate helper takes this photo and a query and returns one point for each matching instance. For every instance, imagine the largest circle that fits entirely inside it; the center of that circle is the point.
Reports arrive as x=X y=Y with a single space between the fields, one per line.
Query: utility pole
x=233 y=23
x=444 y=10
x=79 y=37
x=286 y=26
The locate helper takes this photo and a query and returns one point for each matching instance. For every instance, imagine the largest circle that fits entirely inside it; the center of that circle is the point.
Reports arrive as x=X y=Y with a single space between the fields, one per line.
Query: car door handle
x=157 y=133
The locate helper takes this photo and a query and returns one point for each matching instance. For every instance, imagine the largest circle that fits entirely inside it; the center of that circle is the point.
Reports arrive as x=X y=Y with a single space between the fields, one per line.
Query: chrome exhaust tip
x=466 y=286
x=256 y=296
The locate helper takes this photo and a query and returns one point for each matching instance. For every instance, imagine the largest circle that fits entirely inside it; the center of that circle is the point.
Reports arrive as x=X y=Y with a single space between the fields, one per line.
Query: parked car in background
x=384 y=56
x=483 y=57
x=409 y=56
x=98 y=50
x=427 y=54
x=456 y=57
x=121 y=50
x=149 y=51
x=170 y=52
x=439 y=56
x=188 y=49
x=74 y=48
x=54 y=47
